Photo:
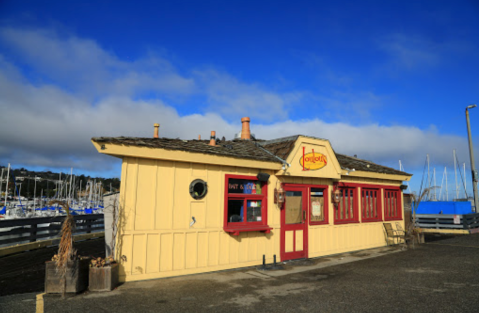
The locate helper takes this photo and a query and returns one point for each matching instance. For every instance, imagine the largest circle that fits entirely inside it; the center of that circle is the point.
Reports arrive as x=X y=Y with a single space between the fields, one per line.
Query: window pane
x=351 y=202
x=317 y=205
x=235 y=211
x=244 y=186
x=253 y=211
x=293 y=207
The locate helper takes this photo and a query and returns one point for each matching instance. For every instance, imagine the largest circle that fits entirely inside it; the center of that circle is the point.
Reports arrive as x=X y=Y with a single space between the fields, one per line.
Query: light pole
x=471 y=154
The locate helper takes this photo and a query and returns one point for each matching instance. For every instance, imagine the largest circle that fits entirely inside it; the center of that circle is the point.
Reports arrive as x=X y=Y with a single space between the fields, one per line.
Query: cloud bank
x=58 y=92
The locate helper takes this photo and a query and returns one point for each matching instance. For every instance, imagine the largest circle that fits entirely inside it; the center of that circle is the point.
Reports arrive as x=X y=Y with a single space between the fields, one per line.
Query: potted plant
x=66 y=272
x=103 y=274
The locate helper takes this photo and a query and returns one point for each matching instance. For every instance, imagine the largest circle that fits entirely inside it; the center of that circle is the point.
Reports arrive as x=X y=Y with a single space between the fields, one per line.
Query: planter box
x=103 y=278
x=76 y=277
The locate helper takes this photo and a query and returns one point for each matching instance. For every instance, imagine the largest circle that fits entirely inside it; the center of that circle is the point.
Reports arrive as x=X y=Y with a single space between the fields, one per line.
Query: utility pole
x=471 y=154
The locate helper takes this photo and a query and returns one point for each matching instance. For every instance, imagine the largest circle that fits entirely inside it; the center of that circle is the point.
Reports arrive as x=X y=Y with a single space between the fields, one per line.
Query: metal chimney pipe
x=157 y=130
x=245 y=131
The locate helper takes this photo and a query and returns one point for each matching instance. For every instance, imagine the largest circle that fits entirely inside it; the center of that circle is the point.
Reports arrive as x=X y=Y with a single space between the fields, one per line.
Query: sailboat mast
x=6 y=188
x=440 y=192
x=447 y=192
x=59 y=192
x=34 y=193
x=435 y=194
x=455 y=173
x=1 y=182
x=428 y=178
x=70 y=191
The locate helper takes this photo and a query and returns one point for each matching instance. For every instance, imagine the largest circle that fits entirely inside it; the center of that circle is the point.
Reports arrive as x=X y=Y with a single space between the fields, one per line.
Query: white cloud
x=50 y=124
x=411 y=52
x=232 y=98
x=84 y=67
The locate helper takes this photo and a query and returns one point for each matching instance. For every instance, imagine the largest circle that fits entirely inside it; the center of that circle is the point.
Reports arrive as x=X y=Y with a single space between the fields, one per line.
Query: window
x=392 y=204
x=318 y=206
x=245 y=204
x=346 y=210
x=371 y=205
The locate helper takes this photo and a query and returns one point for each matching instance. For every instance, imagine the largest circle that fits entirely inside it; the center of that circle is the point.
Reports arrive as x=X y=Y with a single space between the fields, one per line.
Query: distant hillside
x=46 y=182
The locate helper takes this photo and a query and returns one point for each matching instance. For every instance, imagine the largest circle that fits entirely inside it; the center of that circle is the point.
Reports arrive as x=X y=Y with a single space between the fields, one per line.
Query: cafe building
x=192 y=206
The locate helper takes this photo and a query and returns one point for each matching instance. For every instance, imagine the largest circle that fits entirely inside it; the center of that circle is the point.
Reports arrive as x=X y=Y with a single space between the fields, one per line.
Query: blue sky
x=386 y=80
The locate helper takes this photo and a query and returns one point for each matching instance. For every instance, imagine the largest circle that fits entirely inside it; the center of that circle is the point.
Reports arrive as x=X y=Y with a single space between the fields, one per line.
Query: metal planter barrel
x=76 y=277
x=103 y=278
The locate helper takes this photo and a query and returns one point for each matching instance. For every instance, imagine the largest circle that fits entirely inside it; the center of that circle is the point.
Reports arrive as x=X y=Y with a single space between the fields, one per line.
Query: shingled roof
x=349 y=163
x=244 y=149
x=282 y=147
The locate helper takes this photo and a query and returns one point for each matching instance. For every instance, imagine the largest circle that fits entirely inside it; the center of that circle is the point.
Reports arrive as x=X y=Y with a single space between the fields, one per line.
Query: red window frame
x=367 y=204
x=310 y=208
x=237 y=227
x=325 y=204
x=392 y=204
x=346 y=192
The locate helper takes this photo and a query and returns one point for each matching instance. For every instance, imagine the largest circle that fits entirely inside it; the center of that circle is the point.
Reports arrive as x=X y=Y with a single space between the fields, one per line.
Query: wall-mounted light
x=336 y=196
x=279 y=195
x=263 y=177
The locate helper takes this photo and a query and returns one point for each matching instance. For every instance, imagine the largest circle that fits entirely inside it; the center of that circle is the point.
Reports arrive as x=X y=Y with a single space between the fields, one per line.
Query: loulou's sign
x=312 y=161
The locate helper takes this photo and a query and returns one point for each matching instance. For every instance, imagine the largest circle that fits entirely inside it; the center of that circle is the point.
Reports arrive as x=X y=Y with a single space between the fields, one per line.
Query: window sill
x=371 y=221
x=236 y=230
x=345 y=222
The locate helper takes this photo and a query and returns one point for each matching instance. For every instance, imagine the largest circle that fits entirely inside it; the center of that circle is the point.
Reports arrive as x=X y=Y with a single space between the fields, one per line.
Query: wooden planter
x=76 y=277
x=103 y=278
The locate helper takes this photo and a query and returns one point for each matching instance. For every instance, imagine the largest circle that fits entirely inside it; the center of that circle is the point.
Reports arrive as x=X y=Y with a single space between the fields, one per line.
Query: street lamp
x=475 y=177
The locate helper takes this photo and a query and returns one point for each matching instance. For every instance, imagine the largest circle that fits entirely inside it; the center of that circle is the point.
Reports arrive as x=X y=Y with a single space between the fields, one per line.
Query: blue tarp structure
x=3 y=210
x=444 y=207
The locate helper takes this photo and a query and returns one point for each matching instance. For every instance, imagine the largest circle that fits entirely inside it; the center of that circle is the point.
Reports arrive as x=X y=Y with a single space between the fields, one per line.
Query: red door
x=294 y=223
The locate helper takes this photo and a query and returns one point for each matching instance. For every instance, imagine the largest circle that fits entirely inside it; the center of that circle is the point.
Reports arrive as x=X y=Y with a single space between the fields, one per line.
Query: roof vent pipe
x=245 y=131
x=213 y=138
x=157 y=130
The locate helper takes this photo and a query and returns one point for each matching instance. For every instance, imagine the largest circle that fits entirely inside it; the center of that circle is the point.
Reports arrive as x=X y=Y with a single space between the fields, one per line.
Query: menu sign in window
x=244 y=186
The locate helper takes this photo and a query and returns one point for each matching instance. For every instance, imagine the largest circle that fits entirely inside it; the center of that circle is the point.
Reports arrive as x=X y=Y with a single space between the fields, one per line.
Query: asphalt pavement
x=439 y=276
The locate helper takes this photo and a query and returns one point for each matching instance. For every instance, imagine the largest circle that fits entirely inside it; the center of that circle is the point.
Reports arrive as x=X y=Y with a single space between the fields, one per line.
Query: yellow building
x=191 y=206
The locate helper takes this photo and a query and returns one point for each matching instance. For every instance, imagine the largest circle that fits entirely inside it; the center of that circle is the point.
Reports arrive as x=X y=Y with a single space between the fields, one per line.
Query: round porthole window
x=198 y=189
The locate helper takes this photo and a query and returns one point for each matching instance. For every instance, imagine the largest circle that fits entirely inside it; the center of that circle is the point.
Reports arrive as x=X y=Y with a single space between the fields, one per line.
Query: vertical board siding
x=126 y=245
x=129 y=206
x=153 y=253
x=198 y=211
x=179 y=251
x=145 y=212
x=139 y=255
x=166 y=257
x=202 y=249
x=181 y=196
x=213 y=248
x=156 y=238
x=191 y=250
x=164 y=195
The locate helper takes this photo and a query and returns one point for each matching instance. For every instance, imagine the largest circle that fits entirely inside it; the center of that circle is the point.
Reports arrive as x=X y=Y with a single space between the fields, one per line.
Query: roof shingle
x=245 y=149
